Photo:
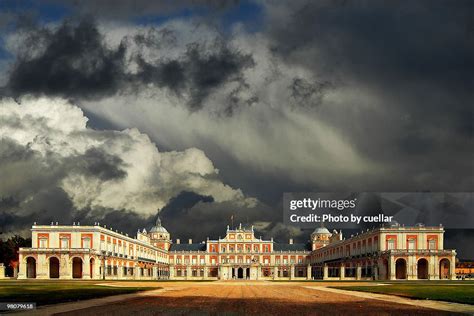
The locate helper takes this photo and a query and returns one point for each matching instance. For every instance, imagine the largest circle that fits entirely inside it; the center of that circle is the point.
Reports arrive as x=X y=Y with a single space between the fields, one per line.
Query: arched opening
x=53 y=268
x=401 y=269
x=240 y=273
x=77 y=268
x=248 y=273
x=422 y=267
x=91 y=267
x=30 y=268
x=444 y=269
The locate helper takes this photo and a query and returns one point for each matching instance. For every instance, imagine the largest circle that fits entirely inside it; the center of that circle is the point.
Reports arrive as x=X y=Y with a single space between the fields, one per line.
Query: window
x=277 y=261
x=64 y=243
x=43 y=243
x=411 y=243
x=86 y=243
x=432 y=244
x=390 y=244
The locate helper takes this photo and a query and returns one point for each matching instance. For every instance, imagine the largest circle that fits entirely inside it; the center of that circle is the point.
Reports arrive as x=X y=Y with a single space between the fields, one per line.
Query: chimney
x=178 y=241
x=190 y=241
x=291 y=241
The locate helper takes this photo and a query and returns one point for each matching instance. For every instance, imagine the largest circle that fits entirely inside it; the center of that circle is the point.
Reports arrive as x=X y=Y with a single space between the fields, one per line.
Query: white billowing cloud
x=143 y=179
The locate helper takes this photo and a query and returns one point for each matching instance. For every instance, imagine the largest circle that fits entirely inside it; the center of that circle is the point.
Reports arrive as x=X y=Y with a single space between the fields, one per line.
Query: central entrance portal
x=240 y=273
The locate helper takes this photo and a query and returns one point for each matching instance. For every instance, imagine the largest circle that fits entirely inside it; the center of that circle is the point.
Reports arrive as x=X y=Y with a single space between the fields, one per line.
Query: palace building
x=96 y=252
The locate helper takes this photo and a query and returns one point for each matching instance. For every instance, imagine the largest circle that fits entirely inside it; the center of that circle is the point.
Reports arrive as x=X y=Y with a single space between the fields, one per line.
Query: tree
x=9 y=251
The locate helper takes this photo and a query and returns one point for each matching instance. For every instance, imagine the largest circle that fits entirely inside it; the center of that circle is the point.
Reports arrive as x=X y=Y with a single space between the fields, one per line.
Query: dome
x=321 y=230
x=158 y=228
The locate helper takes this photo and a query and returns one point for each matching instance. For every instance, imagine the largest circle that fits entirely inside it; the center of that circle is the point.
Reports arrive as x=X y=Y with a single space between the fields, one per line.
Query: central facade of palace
x=95 y=252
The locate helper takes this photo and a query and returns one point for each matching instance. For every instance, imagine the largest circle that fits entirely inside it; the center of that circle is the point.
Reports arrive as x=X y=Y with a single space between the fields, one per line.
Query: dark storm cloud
x=96 y=162
x=418 y=52
x=461 y=240
x=197 y=73
x=126 y=9
x=190 y=215
x=125 y=221
x=307 y=93
x=73 y=61
x=381 y=39
x=416 y=58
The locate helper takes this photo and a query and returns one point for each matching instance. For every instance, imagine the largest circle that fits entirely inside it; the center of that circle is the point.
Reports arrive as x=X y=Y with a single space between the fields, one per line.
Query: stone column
x=412 y=268
x=376 y=272
x=96 y=269
x=135 y=270
x=155 y=272
x=171 y=275
x=358 y=271
x=431 y=268
x=391 y=267
x=342 y=271
x=188 y=272
x=308 y=272
x=275 y=272
x=292 y=272
x=244 y=273
x=206 y=273
x=22 y=272
x=452 y=269
x=436 y=267
x=120 y=272
x=65 y=267
x=42 y=267
x=325 y=271
x=86 y=270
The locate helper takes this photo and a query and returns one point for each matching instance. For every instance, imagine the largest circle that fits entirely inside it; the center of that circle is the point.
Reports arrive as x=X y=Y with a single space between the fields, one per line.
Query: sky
x=200 y=110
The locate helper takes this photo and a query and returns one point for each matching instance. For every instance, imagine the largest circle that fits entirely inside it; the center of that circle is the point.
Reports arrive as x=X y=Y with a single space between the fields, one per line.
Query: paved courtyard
x=238 y=298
